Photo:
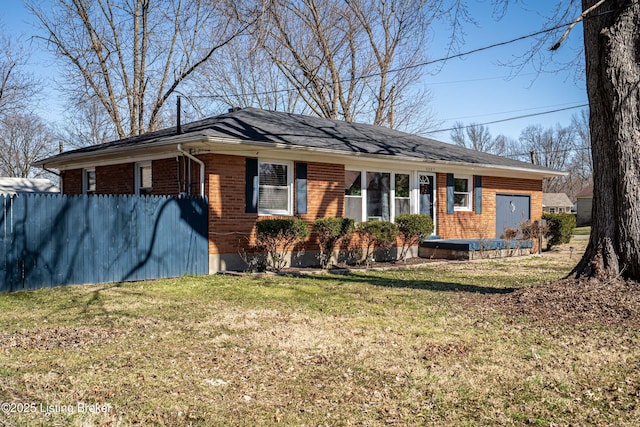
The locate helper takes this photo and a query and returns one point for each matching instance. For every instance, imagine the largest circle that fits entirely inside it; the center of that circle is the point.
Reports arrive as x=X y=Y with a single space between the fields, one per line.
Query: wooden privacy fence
x=54 y=240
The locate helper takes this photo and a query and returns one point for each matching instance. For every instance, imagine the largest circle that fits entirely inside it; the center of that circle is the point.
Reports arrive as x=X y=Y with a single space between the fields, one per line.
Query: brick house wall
x=71 y=181
x=231 y=228
x=115 y=179
x=471 y=225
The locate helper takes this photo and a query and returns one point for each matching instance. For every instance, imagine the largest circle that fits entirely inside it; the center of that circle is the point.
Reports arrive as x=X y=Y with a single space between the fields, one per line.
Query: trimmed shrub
x=278 y=236
x=413 y=228
x=377 y=235
x=330 y=231
x=560 y=226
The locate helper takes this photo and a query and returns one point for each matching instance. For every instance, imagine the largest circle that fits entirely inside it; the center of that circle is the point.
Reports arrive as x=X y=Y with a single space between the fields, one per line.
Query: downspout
x=200 y=162
x=44 y=167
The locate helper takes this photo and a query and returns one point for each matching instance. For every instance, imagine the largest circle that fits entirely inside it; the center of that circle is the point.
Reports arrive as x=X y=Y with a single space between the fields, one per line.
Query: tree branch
x=575 y=22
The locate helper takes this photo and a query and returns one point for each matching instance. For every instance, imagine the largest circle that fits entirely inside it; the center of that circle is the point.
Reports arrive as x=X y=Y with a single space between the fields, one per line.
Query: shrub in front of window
x=377 y=235
x=413 y=228
x=561 y=227
x=330 y=231
x=277 y=237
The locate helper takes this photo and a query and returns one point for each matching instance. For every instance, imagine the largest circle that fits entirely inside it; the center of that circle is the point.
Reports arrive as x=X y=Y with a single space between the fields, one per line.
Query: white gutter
x=200 y=162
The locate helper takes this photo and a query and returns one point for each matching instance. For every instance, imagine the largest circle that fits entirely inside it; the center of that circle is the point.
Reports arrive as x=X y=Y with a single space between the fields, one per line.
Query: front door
x=427 y=195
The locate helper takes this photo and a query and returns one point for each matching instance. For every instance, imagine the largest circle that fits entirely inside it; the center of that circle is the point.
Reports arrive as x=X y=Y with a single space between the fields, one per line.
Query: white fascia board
x=162 y=149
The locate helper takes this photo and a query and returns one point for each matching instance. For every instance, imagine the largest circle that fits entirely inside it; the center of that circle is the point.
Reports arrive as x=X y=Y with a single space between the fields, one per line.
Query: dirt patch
x=57 y=337
x=570 y=301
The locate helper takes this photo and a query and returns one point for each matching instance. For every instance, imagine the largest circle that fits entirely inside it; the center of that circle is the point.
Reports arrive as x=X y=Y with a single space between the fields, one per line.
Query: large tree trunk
x=612 y=49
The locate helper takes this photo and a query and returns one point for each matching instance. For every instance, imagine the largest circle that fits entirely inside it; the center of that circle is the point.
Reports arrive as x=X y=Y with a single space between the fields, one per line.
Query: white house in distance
x=584 y=201
x=556 y=203
x=13 y=186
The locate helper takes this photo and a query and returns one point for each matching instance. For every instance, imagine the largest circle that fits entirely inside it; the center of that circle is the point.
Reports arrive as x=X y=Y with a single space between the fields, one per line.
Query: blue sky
x=475 y=88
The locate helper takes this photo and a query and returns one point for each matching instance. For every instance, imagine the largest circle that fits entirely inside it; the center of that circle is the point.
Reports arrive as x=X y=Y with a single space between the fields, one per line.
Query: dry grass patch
x=397 y=347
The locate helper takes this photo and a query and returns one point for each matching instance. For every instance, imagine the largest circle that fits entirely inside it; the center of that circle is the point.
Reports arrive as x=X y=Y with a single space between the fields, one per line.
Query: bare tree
x=86 y=123
x=17 y=86
x=349 y=60
x=132 y=55
x=477 y=137
x=553 y=148
x=23 y=140
x=582 y=164
x=245 y=76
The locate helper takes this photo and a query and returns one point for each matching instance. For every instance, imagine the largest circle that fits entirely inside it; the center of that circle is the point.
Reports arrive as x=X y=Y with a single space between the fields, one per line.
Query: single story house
x=556 y=203
x=13 y=186
x=253 y=164
x=584 y=202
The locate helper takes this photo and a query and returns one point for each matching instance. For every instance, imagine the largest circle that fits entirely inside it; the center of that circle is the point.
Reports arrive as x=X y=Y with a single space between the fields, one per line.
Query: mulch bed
x=569 y=301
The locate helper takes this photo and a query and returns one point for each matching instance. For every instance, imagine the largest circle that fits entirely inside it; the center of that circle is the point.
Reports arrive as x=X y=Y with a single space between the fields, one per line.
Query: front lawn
x=425 y=346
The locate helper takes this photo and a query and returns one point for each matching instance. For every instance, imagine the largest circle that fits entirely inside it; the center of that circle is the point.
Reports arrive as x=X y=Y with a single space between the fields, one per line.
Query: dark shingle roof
x=256 y=125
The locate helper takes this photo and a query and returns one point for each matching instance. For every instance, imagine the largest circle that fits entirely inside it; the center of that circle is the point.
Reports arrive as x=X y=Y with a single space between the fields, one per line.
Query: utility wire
x=407 y=67
x=524 y=116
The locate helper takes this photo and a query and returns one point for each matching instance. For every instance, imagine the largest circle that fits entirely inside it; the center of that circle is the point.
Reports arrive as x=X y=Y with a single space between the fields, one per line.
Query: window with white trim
x=462 y=193
x=89 y=181
x=144 y=178
x=402 y=192
x=379 y=196
x=275 y=180
x=353 y=195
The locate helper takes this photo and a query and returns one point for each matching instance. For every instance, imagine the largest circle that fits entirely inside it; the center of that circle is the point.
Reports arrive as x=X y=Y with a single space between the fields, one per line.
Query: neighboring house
x=556 y=203
x=584 y=202
x=12 y=186
x=253 y=164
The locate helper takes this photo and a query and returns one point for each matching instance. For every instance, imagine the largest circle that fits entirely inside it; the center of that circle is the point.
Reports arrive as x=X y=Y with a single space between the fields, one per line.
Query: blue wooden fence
x=54 y=240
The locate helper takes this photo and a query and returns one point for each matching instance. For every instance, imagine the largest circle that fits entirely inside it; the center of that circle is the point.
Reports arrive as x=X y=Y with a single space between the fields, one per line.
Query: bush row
x=276 y=237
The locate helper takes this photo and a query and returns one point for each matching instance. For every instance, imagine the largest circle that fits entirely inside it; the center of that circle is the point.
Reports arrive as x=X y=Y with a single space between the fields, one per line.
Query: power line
x=407 y=67
x=524 y=116
x=509 y=112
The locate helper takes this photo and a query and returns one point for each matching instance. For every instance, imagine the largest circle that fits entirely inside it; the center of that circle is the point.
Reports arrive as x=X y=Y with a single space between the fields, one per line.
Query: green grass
x=376 y=348
x=582 y=231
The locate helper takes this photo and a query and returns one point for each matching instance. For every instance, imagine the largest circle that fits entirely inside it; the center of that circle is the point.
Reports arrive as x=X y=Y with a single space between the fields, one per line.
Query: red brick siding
x=472 y=225
x=71 y=181
x=164 y=177
x=231 y=229
x=115 y=179
x=325 y=195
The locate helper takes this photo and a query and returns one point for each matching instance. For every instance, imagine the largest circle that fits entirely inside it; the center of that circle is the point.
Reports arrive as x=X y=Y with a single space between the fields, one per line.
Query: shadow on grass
x=427 y=285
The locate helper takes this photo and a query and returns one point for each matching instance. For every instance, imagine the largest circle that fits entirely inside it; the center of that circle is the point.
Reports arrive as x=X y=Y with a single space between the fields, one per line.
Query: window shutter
x=251 y=185
x=478 y=193
x=301 y=188
x=450 y=186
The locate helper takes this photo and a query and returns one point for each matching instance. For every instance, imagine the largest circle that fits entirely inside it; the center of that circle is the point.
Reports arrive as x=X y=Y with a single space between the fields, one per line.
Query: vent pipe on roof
x=234 y=109
x=178 y=109
x=534 y=161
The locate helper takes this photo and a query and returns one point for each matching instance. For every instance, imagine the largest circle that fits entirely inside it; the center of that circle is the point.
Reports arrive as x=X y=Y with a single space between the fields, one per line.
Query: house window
x=402 y=194
x=378 y=196
x=276 y=185
x=462 y=193
x=353 y=195
x=89 y=181
x=143 y=178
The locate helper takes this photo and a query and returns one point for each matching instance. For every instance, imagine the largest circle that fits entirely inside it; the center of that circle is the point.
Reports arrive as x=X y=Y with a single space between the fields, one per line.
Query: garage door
x=511 y=211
